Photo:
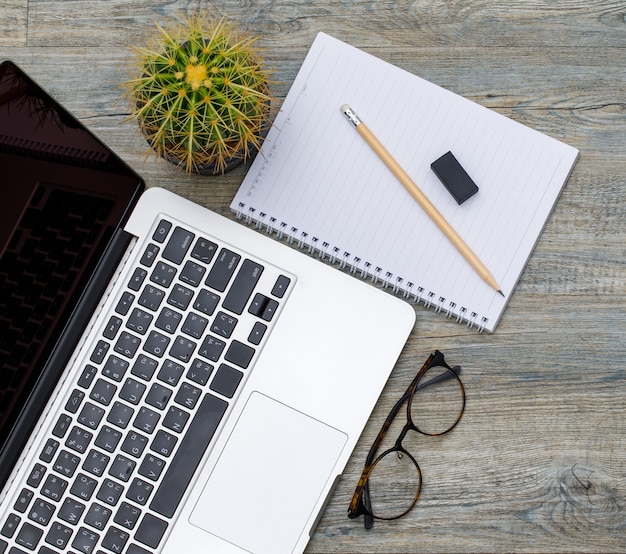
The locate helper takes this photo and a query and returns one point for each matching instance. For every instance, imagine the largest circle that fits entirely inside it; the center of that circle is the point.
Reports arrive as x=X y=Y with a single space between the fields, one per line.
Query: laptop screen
x=63 y=194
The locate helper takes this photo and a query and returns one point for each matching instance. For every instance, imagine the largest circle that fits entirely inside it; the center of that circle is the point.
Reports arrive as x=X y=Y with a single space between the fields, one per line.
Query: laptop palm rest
x=262 y=504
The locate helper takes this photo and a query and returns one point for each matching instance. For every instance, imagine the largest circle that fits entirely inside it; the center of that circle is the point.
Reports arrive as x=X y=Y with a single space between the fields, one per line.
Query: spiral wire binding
x=360 y=268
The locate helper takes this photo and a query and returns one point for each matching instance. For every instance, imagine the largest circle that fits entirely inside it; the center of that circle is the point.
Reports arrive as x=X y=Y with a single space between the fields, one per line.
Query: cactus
x=200 y=95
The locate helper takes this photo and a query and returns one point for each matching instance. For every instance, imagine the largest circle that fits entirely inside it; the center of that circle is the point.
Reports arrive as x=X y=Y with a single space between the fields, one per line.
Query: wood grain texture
x=538 y=463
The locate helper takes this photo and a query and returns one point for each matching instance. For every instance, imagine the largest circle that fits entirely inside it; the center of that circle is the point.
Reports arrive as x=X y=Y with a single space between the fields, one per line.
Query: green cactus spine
x=201 y=95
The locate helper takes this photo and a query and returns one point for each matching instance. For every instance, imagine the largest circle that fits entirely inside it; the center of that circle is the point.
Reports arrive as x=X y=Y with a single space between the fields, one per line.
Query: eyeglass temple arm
x=456 y=369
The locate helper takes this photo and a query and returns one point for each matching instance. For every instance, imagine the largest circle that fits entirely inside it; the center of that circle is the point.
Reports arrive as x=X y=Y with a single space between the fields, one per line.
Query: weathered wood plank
x=455 y=23
x=13 y=30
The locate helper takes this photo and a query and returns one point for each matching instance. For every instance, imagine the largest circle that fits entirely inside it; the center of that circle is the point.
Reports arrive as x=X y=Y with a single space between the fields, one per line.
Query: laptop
x=170 y=380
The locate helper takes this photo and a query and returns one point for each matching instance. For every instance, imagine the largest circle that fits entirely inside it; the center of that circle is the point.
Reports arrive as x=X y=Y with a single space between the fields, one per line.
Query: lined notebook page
x=318 y=182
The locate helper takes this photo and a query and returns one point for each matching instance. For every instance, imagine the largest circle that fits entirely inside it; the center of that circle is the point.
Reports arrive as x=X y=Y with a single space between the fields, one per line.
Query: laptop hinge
x=56 y=364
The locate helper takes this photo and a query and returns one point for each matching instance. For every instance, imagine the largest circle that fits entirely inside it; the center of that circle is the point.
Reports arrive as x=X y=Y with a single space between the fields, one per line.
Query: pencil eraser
x=454 y=177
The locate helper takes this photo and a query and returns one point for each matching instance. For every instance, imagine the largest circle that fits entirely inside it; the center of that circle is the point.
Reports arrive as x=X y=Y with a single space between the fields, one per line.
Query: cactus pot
x=201 y=96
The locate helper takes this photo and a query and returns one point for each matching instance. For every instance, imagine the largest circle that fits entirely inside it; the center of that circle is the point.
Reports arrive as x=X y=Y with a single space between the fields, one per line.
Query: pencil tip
x=501 y=293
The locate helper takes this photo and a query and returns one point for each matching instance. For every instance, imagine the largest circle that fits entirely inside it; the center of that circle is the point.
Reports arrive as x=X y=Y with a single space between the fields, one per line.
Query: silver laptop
x=170 y=380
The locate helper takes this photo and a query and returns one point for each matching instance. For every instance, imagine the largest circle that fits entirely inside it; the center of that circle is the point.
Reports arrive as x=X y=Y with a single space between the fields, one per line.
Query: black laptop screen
x=63 y=194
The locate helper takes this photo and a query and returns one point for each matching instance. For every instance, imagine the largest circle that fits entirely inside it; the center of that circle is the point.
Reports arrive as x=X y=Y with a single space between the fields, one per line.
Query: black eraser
x=454 y=177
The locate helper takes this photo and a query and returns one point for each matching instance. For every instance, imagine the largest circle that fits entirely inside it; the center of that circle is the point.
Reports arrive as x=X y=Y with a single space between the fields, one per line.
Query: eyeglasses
x=391 y=483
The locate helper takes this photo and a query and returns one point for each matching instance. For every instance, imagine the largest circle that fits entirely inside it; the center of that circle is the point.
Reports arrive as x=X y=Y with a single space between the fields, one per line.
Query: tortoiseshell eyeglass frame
x=361 y=503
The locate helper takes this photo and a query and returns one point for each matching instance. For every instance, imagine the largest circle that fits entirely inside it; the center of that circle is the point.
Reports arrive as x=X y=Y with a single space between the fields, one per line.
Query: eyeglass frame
x=360 y=504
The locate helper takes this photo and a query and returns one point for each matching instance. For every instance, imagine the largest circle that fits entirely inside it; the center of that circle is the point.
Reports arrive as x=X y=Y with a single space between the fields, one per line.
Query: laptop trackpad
x=268 y=478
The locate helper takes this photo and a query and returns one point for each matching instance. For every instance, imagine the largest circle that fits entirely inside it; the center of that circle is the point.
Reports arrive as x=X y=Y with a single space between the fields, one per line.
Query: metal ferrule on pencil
x=350 y=115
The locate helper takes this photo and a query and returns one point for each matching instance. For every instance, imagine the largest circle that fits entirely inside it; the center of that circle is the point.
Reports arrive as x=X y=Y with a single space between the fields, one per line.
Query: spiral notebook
x=318 y=184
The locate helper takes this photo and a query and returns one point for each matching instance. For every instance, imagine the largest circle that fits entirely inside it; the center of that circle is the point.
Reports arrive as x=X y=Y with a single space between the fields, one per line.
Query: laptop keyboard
x=117 y=461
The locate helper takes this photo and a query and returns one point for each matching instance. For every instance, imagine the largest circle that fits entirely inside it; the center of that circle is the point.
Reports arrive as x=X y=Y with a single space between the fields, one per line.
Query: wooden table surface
x=538 y=462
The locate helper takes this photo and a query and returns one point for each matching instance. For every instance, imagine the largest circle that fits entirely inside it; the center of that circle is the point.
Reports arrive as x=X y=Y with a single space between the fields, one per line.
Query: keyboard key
x=10 y=526
x=132 y=391
x=127 y=344
x=99 y=352
x=91 y=415
x=281 y=286
x=59 y=535
x=134 y=444
x=182 y=349
x=74 y=401
x=87 y=377
x=103 y=392
x=136 y=549
x=146 y=420
x=71 y=511
x=139 y=492
x=243 y=286
x=170 y=373
x=149 y=255
x=194 y=325
x=206 y=302
x=113 y=326
x=114 y=368
x=192 y=273
x=222 y=270
x=108 y=438
x=187 y=395
x=160 y=233
x=139 y=321
x=168 y=320
x=150 y=531
x=78 y=439
x=151 y=467
x=124 y=304
x=151 y=298
x=190 y=451
x=176 y=419
x=144 y=367
x=122 y=468
x=29 y=536
x=83 y=486
x=204 y=250
x=96 y=462
x=137 y=279
x=226 y=380
x=41 y=512
x=158 y=396
x=256 y=335
x=199 y=372
x=66 y=463
x=110 y=492
x=62 y=425
x=36 y=476
x=223 y=325
x=163 y=274
x=49 y=450
x=163 y=443
x=115 y=539
x=178 y=245
x=85 y=540
x=23 y=500
x=263 y=307
x=180 y=297
x=212 y=348
x=239 y=354
x=120 y=415
x=54 y=487
x=127 y=515
x=156 y=344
